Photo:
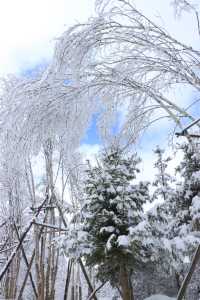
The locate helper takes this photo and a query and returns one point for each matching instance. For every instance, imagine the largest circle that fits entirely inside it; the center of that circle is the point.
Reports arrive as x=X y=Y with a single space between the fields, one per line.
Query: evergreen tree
x=176 y=220
x=162 y=213
x=163 y=181
x=183 y=232
x=112 y=209
x=160 y=217
x=188 y=199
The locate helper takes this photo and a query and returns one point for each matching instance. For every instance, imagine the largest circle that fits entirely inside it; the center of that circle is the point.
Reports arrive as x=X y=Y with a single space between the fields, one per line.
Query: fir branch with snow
x=113 y=206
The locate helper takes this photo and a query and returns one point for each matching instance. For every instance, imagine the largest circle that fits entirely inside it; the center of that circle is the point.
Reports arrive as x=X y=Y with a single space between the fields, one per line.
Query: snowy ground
x=153 y=297
x=159 y=297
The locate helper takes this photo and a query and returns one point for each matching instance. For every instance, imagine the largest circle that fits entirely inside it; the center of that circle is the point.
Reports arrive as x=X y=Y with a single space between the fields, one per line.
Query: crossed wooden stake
x=29 y=264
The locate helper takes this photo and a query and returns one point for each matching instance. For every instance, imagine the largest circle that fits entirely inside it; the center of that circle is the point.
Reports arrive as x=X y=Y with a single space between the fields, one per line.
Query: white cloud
x=162 y=12
x=148 y=171
x=28 y=27
x=89 y=152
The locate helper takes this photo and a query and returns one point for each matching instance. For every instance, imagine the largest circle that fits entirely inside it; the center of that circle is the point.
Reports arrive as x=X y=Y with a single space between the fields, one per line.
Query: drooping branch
x=127 y=60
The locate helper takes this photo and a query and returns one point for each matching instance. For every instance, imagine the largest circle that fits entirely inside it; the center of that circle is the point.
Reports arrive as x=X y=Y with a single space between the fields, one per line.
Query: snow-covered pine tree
x=162 y=217
x=177 y=218
x=163 y=181
x=188 y=199
x=189 y=205
x=185 y=226
x=162 y=214
x=155 y=230
x=113 y=206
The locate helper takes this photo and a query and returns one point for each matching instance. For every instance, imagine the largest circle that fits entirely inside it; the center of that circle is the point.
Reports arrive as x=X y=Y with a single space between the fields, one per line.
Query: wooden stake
x=87 y=278
x=69 y=269
x=188 y=277
x=96 y=290
x=26 y=261
x=30 y=265
x=13 y=254
x=26 y=277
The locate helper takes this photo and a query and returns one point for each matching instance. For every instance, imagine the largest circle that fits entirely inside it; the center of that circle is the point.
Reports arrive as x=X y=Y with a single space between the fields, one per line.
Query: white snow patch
x=109 y=229
x=195 y=208
x=159 y=297
x=180 y=245
x=138 y=228
x=123 y=241
x=109 y=244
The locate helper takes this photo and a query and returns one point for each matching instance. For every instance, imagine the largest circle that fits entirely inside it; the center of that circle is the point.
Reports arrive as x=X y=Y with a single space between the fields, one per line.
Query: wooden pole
x=87 y=278
x=69 y=268
x=26 y=261
x=13 y=254
x=96 y=290
x=30 y=265
x=26 y=277
x=188 y=277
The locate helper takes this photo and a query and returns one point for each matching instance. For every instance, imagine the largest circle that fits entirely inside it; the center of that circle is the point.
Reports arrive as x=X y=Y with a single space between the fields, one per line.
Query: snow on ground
x=160 y=297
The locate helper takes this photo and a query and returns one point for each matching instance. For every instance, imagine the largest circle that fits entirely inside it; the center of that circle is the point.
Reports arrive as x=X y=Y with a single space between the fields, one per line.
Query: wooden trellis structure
x=41 y=261
x=44 y=231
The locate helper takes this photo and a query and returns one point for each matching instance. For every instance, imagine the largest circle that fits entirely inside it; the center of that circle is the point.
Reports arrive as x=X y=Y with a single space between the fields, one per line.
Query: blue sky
x=29 y=28
x=92 y=136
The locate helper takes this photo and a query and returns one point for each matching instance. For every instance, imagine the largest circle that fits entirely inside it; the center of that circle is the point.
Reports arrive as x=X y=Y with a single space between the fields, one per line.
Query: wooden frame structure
x=19 y=247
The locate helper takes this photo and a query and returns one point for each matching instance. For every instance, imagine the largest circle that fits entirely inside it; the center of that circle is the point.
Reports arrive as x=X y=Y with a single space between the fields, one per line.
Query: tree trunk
x=125 y=284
